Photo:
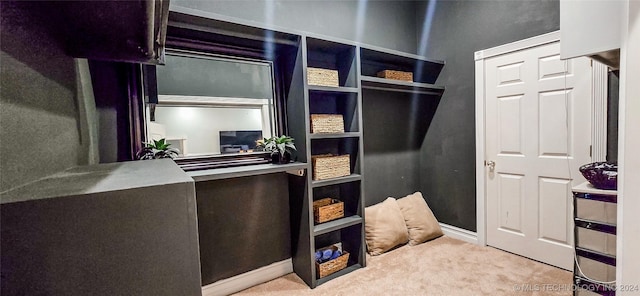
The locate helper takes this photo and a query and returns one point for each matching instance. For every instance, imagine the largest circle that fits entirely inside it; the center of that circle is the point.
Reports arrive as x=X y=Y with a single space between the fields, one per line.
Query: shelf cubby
x=334 y=56
x=348 y=192
x=345 y=104
x=339 y=146
x=351 y=239
x=374 y=60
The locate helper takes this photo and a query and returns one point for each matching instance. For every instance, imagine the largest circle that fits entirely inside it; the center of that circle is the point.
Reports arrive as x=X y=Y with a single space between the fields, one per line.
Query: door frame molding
x=480 y=57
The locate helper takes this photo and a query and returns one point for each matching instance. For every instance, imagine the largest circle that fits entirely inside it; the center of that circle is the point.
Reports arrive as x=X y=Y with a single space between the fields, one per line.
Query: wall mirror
x=211 y=105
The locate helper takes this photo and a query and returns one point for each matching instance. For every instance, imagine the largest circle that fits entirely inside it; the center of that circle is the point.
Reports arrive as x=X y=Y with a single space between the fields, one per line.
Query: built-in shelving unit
x=345 y=100
x=357 y=66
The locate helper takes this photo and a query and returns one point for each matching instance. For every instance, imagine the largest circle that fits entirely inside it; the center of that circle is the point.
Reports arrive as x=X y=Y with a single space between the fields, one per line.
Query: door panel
x=510 y=115
x=538 y=133
x=511 y=195
x=553 y=225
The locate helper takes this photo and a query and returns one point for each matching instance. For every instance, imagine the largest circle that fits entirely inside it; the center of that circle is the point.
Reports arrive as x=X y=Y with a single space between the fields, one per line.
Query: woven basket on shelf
x=396 y=75
x=332 y=266
x=327 y=209
x=327 y=166
x=327 y=123
x=323 y=77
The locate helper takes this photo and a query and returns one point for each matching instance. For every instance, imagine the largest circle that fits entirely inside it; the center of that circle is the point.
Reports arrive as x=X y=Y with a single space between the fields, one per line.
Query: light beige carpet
x=444 y=266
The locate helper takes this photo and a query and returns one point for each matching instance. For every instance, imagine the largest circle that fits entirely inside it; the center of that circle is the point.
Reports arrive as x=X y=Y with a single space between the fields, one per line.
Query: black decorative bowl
x=602 y=175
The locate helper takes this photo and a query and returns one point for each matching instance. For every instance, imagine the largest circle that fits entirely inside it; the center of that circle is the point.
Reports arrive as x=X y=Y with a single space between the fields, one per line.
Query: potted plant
x=157 y=149
x=281 y=148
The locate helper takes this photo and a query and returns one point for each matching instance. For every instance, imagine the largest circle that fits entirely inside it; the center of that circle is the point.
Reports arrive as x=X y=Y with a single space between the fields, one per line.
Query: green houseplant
x=157 y=149
x=281 y=148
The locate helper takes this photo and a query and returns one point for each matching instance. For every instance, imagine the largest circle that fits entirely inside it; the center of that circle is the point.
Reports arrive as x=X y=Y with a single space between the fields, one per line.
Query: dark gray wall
x=457 y=30
x=394 y=128
x=243 y=224
x=39 y=119
x=389 y=24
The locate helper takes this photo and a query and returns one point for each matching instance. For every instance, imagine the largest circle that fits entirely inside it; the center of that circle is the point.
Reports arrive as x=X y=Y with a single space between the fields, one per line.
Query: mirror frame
x=211 y=161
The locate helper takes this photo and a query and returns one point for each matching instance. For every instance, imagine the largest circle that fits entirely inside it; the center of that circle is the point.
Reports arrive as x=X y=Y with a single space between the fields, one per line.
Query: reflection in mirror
x=211 y=105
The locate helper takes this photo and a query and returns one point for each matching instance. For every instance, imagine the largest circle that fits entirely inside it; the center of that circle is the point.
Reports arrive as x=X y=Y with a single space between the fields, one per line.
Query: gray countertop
x=243 y=171
x=99 y=178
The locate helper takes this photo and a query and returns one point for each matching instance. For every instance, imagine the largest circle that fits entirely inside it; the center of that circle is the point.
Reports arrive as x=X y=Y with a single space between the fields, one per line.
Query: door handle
x=491 y=164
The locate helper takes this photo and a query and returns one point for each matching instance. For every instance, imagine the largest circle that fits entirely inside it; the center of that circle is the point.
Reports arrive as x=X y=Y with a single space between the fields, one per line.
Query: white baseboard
x=459 y=233
x=248 y=279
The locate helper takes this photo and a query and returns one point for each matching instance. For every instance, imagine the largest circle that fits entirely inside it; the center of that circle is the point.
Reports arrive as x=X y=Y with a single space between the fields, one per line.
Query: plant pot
x=277 y=158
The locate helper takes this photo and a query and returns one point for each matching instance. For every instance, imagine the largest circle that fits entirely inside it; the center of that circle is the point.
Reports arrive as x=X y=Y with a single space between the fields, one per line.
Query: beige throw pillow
x=421 y=223
x=384 y=227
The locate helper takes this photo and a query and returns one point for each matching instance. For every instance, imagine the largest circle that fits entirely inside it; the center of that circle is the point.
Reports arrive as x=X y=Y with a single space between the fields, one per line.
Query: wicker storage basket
x=323 y=77
x=327 y=209
x=327 y=123
x=332 y=266
x=327 y=166
x=396 y=75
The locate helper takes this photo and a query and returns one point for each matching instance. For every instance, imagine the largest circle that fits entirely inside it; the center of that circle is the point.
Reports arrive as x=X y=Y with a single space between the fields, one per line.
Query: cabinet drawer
x=596 y=236
x=596 y=266
x=596 y=241
x=596 y=210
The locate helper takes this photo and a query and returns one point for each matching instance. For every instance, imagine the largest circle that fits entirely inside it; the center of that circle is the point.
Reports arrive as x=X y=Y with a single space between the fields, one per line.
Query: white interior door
x=537 y=133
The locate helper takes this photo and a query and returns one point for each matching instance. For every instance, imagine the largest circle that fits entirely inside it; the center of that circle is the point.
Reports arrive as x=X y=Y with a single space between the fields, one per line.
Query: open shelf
x=319 y=136
x=336 y=224
x=369 y=82
x=350 y=238
x=340 y=180
x=374 y=60
x=322 y=88
x=333 y=56
x=345 y=104
x=349 y=193
x=339 y=146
